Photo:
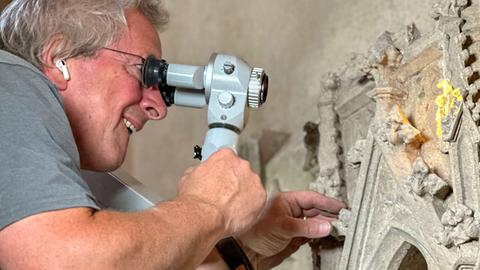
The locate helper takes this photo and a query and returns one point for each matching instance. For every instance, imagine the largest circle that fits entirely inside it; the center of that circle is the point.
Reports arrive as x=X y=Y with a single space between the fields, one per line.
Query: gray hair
x=27 y=27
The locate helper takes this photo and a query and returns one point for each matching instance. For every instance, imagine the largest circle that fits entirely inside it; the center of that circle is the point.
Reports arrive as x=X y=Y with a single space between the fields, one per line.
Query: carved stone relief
x=461 y=225
x=397 y=139
x=422 y=181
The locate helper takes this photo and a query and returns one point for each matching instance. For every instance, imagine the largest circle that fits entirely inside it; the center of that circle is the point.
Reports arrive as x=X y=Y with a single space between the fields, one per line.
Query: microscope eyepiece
x=154 y=73
x=192 y=85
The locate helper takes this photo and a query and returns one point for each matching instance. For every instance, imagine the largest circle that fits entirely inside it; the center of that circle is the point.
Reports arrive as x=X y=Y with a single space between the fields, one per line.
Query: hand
x=290 y=220
x=227 y=183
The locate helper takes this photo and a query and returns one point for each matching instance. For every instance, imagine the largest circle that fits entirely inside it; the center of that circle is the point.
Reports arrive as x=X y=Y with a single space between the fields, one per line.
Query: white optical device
x=227 y=84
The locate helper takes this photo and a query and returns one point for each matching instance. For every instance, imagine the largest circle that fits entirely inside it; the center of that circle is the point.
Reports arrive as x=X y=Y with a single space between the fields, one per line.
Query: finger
x=311 y=199
x=320 y=217
x=323 y=218
x=315 y=212
x=310 y=228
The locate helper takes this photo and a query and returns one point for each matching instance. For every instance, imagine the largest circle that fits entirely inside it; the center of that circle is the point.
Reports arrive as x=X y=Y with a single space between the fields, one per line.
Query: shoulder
x=32 y=111
x=21 y=79
x=26 y=93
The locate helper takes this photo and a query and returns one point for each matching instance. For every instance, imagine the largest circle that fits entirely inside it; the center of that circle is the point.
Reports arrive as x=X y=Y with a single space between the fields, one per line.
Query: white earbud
x=63 y=68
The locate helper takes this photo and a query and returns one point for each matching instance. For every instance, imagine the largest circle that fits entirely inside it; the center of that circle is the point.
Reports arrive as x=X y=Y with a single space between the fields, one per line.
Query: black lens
x=154 y=74
x=152 y=71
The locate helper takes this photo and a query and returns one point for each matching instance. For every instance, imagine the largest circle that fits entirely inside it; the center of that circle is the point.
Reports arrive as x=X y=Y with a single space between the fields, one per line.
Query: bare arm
x=173 y=235
x=177 y=234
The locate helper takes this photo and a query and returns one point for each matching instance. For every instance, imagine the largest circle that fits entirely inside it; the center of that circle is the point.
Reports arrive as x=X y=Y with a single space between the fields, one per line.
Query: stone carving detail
x=329 y=180
x=384 y=163
x=340 y=226
x=311 y=141
x=466 y=43
x=457 y=20
x=384 y=59
x=404 y=88
x=328 y=183
x=397 y=129
x=449 y=8
x=461 y=225
x=412 y=33
x=466 y=267
x=353 y=71
x=422 y=181
x=355 y=154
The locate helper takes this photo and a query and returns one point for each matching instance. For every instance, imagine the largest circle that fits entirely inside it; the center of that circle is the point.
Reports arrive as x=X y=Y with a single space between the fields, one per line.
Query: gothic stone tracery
x=398 y=140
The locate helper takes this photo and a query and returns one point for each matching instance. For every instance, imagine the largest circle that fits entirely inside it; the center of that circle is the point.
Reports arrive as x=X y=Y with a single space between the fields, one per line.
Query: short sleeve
x=39 y=162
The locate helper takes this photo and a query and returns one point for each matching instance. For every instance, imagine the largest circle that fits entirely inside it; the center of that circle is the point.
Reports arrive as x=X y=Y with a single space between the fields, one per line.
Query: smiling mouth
x=130 y=127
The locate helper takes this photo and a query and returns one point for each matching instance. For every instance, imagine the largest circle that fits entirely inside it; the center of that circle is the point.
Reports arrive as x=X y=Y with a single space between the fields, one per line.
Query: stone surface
x=311 y=141
x=395 y=224
x=422 y=181
x=461 y=225
x=328 y=172
x=340 y=226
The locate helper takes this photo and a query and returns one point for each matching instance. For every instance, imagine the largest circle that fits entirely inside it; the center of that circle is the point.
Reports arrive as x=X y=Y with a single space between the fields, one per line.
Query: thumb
x=310 y=227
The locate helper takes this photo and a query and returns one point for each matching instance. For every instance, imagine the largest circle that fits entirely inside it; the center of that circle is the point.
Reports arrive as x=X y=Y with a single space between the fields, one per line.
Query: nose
x=152 y=104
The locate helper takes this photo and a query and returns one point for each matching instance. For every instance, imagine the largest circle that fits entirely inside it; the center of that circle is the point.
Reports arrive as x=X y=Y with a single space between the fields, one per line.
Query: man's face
x=104 y=93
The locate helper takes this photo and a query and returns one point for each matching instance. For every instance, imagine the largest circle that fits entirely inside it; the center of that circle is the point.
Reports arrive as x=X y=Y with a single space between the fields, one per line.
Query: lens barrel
x=154 y=74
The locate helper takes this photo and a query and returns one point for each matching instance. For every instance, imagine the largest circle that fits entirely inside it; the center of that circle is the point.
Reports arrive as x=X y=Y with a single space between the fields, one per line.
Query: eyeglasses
x=134 y=69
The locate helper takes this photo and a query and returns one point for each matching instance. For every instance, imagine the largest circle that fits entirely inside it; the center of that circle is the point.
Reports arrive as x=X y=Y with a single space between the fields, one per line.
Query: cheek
x=132 y=92
x=124 y=91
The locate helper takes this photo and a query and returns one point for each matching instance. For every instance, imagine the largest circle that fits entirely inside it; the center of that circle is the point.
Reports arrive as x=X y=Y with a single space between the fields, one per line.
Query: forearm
x=221 y=196
x=172 y=235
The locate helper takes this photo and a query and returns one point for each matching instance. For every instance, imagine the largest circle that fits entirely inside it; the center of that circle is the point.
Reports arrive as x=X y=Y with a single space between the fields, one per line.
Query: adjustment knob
x=226 y=100
x=257 y=88
x=197 y=152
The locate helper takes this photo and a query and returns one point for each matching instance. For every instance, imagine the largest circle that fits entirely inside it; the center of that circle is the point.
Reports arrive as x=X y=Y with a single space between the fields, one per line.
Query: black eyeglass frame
x=153 y=73
x=140 y=66
x=127 y=53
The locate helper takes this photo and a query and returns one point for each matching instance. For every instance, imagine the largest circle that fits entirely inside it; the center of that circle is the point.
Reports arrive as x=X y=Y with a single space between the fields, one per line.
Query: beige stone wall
x=295 y=41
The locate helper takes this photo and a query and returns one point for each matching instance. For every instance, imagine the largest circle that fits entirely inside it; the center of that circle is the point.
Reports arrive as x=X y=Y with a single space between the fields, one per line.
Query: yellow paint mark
x=448 y=104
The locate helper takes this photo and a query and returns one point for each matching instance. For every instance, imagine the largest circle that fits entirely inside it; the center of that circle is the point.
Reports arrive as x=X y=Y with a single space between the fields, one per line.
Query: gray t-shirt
x=39 y=161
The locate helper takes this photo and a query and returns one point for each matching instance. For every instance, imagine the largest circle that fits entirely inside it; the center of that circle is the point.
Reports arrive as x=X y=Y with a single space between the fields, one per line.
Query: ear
x=54 y=72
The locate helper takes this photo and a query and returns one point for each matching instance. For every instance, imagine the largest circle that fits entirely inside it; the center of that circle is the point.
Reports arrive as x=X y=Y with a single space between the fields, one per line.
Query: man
x=71 y=97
